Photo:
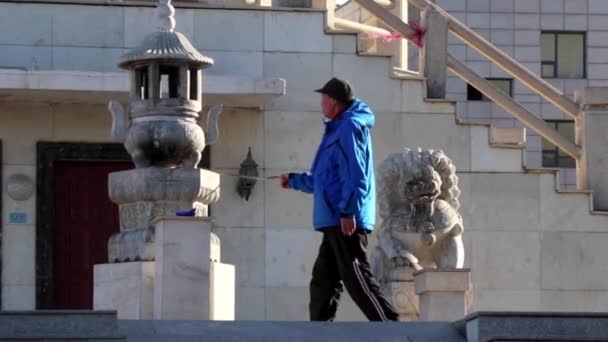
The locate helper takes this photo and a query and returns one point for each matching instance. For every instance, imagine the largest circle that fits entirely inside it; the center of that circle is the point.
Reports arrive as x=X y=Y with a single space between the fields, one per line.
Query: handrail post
x=580 y=139
x=591 y=131
x=330 y=7
x=434 y=52
x=400 y=54
x=394 y=20
x=385 y=16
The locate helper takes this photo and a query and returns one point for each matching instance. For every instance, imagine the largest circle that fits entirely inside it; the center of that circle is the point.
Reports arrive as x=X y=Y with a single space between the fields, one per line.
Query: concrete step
x=536 y=326
x=191 y=331
x=59 y=326
x=478 y=327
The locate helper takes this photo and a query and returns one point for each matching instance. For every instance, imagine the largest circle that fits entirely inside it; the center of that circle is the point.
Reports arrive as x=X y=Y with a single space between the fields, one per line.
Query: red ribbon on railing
x=415 y=37
x=418 y=34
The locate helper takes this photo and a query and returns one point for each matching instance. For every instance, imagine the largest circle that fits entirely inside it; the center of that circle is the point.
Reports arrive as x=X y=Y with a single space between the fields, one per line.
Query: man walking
x=343 y=187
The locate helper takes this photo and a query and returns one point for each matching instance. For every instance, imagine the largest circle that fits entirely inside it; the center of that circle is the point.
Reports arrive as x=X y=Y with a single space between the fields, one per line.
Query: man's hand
x=348 y=225
x=285 y=181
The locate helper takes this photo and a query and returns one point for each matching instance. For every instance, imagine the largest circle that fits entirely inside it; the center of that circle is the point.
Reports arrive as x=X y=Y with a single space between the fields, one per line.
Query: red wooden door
x=84 y=220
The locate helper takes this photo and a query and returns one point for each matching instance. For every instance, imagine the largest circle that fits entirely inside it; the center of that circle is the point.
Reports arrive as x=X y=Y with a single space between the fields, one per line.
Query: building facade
x=529 y=246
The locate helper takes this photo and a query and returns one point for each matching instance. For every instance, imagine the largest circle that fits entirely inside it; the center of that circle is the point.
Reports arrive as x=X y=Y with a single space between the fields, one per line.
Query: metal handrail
x=359 y=27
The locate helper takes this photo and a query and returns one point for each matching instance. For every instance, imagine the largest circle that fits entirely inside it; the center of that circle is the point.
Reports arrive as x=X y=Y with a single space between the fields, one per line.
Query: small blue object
x=191 y=212
x=17 y=218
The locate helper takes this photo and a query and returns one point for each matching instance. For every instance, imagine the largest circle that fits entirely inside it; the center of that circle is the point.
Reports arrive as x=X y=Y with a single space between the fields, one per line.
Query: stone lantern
x=165 y=99
x=162 y=266
x=163 y=137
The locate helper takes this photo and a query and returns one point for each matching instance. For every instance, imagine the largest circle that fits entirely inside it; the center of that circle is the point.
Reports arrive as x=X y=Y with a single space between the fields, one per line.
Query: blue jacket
x=342 y=175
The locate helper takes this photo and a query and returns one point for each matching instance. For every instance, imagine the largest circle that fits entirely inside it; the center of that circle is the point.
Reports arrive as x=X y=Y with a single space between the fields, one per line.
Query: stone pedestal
x=187 y=281
x=404 y=299
x=222 y=305
x=188 y=286
x=442 y=293
x=145 y=193
x=127 y=288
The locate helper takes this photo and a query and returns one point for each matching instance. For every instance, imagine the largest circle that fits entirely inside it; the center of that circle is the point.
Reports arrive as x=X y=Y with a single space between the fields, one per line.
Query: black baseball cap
x=337 y=89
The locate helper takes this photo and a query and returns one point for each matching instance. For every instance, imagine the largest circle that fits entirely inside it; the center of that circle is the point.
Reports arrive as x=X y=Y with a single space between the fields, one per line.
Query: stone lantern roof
x=166 y=44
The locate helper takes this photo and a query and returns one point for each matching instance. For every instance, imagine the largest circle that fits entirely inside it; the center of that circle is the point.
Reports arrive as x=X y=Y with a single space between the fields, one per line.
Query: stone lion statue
x=418 y=204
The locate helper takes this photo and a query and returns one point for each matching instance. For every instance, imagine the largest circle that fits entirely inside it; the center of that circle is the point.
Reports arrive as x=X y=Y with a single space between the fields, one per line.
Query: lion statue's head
x=413 y=180
x=425 y=186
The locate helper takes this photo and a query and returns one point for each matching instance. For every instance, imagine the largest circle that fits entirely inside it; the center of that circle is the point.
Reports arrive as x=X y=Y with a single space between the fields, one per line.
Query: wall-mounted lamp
x=249 y=168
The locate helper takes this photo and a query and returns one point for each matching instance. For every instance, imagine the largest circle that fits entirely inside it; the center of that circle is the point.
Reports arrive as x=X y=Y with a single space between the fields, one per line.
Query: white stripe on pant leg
x=373 y=299
x=367 y=291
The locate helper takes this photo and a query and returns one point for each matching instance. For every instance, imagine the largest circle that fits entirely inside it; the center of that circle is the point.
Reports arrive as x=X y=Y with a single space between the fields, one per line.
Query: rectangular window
x=554 y=157
x=563 y=54
x=504 y=84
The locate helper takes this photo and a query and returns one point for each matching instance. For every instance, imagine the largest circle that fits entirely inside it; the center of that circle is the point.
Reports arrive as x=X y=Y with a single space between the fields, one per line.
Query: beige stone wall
x=23 y=125
x=529 y=247
x=532 y=249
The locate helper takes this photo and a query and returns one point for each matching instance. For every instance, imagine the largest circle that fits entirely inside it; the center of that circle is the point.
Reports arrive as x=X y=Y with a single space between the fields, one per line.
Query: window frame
x=555 y=151
x=555 y=63
x=490 y=79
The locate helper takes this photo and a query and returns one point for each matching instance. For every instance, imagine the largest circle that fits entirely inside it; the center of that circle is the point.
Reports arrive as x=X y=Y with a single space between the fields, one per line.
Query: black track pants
x=342 y=261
